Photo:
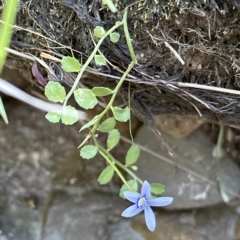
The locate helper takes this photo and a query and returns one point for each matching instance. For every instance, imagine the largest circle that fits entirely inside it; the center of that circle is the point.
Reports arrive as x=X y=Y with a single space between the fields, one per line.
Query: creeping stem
x=90 y=58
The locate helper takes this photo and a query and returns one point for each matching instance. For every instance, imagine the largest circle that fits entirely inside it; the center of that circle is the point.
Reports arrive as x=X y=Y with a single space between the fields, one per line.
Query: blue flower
x=143 y=202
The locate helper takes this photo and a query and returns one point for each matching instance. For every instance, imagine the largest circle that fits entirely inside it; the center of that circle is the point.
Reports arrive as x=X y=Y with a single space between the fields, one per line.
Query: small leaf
x=113 y=139
x=99 y=32
x=134 y=168
x=88 y=152
x=53 y=116
x=100 y=60
x=157 y=188
x=55 y=92
x=132 y=183
x=90 y=123
x=114 y=37
x=69 y=115
x=70 y=64
x=101 y=91
x=122 y=115
x=85 y=98
x=132 y=154
x=118 y=23
x=107 y=125
x=106 y=175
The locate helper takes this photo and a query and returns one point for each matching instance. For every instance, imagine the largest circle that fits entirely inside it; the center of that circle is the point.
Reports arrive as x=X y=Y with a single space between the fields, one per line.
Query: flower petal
x=160 y=201
x=150 y=218
x=131 y=211
x=146 y=190
x=131 y=196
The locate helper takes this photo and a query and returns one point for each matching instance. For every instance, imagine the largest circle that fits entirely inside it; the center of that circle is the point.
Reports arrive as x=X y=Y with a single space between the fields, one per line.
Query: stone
x=192 y=175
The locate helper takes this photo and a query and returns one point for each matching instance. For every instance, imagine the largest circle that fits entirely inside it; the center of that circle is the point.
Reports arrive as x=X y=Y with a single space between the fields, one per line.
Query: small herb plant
x=87 y=99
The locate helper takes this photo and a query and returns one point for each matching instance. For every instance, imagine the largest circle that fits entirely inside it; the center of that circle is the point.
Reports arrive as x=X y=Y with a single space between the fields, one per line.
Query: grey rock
x=192 y=176
x=215 y=223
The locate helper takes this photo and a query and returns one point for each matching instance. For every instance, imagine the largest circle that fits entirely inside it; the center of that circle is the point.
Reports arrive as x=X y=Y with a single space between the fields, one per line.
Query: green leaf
x=157 y=188
x=3 y=112
x=100 y=60
x=107 y=125
x=113 y=139
x=55 y=92
x=69 y=115
x=122 y=115
x=106 y=175
x=101 y=91
x=132 y=183
x=99 y=32
x=114 y=37
x=90 y=123
x=8 y=16
x=88 y=152
x=70 y=64
x=53 y=116
x=85 y=98
x=132 y=154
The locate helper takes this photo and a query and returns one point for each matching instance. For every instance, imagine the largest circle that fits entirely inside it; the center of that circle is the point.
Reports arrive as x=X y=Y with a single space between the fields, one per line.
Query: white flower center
x=141 y=201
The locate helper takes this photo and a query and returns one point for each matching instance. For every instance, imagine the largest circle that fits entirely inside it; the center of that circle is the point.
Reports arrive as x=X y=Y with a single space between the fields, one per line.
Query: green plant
x=87 y=99
x=8 y=18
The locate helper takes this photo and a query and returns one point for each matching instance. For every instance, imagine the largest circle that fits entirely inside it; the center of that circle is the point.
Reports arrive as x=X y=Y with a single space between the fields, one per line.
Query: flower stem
x=90 y=58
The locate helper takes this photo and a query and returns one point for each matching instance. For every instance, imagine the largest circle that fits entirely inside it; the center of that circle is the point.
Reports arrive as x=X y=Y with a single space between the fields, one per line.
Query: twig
x=208 y=88
x=175 y=53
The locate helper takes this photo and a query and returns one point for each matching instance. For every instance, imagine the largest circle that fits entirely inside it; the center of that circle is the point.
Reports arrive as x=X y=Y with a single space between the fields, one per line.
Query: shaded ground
x=48 y=192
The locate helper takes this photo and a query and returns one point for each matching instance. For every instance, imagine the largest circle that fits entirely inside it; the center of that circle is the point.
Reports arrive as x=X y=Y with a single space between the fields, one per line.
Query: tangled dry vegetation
x=188 y=51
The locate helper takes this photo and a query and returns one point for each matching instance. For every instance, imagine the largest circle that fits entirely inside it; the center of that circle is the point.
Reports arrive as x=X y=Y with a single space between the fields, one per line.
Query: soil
x=204 y=34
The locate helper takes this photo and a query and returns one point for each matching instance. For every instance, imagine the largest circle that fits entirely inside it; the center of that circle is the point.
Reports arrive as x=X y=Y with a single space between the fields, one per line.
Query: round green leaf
x=106 y=175
x=100 y=60
x=101 y=91
x=90 y=123
x=157 y=188
x=55 y=92
x=69 y=115
x=132 y=183
x=99 y=32
x=132 y=154
x=70 y=64
x=113 y=139
x=85 y=98
x=107 y=125
x=122 y=115
x=88 y=152
x=114 y=37
x=53 y=116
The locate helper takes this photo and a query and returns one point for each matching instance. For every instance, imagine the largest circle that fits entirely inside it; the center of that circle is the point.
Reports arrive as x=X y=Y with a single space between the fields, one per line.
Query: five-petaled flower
x=143 y=202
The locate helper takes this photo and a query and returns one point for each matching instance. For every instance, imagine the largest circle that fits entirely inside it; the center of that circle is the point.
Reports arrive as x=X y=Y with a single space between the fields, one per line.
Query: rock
x=191 y=175
x=220 y=222
x=32 y=151
x=93 y=215
x=48 y=193
x=177 y=126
